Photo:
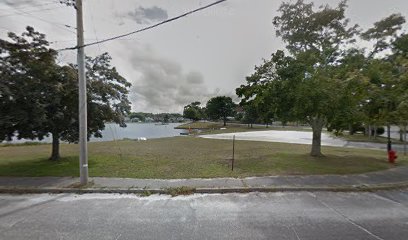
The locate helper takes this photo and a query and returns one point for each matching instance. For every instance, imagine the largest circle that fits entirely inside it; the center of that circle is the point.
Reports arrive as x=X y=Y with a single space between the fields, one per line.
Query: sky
x=192 y=59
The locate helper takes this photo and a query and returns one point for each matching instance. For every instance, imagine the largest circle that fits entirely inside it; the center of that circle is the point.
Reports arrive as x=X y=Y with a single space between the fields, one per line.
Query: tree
x=140 y=116
x=351 y=97
x=400 y=57
x=220 y=108
x=166 y=118
x=193 y=111
x=27 y=80
x=39 y=97
x=383 y=33
x=383 y=69
x=259 y=107
x=315 y=39
x=303 y=84
x=251 y=114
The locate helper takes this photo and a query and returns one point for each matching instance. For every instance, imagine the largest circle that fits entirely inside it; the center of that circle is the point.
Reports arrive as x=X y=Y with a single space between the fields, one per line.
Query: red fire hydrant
x=392 y=155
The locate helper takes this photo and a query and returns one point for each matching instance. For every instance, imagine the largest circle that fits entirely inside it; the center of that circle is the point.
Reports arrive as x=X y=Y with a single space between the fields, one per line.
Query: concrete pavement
x=299 y=137
x=392 y=178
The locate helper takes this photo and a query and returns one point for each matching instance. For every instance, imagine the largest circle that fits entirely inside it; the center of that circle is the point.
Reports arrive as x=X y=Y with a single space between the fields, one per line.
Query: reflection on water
x=132 y=131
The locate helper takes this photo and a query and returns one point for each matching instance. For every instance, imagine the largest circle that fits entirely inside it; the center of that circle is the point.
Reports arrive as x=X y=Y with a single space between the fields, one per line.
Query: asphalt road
x=301 y=215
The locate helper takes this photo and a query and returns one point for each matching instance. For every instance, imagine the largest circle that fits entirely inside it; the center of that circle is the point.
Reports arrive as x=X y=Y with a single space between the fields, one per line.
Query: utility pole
x=83 y=125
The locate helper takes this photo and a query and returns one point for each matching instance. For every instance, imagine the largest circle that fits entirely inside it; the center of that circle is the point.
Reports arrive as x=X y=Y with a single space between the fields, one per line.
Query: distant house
x=135 y=120
x=239 y=109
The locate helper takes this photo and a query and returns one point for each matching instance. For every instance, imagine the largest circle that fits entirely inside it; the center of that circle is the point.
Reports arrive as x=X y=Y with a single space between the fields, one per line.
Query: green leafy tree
x=353 y=94
x=251 y=114
x=166 y=118
x=193 y=111
x=38 y=97
x=400 y=59
x=140 y=116
x=220 y=107
x=303 y=84
x=383 y=33
x=383 y=70
x=25 y=61
x=256 y=97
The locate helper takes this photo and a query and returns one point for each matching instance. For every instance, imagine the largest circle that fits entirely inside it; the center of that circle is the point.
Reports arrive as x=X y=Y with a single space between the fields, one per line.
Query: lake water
x=132 y=131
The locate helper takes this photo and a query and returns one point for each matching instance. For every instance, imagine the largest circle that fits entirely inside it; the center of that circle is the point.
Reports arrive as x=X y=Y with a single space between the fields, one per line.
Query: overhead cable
x=146 y=28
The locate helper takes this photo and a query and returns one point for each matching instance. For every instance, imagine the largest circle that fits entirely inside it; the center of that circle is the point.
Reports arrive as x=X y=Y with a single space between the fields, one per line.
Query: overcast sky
x=192 y=59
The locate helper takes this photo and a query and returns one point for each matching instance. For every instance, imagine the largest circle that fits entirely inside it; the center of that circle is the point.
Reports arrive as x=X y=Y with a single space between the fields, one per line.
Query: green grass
x=200 y=125
x=217 y=128
x=21 y=144
x=189 y=157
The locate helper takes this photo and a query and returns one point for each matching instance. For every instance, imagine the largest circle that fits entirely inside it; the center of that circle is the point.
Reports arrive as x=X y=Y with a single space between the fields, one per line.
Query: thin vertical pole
x=83 y=147
x=405 y=140
x=233 y=153
x=389 y=146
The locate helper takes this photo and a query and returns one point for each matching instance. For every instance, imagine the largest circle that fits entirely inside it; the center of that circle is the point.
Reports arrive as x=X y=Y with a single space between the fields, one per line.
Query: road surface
x=300 y=215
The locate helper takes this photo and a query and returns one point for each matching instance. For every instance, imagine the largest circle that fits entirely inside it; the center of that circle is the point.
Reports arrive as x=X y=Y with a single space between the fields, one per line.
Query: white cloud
x=148 y=15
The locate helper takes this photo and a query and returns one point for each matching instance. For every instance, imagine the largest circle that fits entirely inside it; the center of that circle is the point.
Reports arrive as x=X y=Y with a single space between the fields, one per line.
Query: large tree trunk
x=55 y=147
x=225 y=121
x=351 y=131
x=317 y=124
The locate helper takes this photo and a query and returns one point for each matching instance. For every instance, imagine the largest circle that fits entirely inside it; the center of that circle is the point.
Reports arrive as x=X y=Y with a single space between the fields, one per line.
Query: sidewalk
x=393 y=178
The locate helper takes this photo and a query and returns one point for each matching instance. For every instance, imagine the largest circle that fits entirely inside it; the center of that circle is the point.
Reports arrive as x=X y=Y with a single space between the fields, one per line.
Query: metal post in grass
x=389 y=144
x=233 y=153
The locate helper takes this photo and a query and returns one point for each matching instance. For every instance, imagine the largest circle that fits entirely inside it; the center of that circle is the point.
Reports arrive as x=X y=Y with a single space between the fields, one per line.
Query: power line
x=146 y=28
x=38 y=10
x=94 y=29
x=31 y=6
x=57 y=24
x=87 y=39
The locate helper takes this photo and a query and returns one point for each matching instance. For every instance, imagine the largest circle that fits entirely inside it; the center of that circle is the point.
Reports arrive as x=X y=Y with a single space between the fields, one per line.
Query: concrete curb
x=352 y=188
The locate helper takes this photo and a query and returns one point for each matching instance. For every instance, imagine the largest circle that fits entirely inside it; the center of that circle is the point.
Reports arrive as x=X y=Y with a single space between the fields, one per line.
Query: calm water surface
x=132 y=131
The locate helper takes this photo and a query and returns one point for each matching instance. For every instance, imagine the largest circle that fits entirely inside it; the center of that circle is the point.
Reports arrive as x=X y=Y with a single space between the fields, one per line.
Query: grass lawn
x=217 y=128
x=189 y=157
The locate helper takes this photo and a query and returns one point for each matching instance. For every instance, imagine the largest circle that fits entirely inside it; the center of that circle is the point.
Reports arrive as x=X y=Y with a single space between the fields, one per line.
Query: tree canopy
x=322 y=78
x=220 y=107
x=38 y=97
x=193 y=111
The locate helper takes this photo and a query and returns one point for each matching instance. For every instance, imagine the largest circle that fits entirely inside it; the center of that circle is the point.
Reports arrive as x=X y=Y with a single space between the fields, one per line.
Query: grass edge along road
x=190 y=157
